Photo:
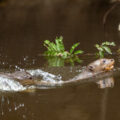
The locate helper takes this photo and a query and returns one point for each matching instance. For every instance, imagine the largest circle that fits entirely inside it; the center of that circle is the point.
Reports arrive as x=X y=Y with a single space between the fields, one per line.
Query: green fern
x=58 y=49
x=103 y=48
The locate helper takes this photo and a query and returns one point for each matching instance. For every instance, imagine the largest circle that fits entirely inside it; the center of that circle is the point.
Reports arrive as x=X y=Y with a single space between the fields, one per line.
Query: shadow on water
x=24 y=25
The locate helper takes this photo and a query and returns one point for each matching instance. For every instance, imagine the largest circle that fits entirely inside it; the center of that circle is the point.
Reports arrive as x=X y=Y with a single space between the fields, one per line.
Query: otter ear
x=91 y=68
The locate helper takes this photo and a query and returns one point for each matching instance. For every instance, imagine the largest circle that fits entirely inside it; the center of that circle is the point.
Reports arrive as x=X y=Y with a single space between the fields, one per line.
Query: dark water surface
x=24 y=25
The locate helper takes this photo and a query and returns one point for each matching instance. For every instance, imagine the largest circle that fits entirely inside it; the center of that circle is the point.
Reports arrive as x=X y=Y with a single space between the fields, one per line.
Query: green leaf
x=112 y=44
x=100 y=49
x=108 y=43
x=49 y=49
x=47 y=42
x=73 y=47
x=78 y=52
x=101 y=54
x=97 y=46
x=53 y=46
x=59 y=44
x=65 y=54
x=107 y=49
x=49 y=45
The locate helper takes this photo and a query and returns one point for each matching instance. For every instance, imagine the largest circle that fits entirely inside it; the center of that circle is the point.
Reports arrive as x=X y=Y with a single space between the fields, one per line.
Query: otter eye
x=104 y=61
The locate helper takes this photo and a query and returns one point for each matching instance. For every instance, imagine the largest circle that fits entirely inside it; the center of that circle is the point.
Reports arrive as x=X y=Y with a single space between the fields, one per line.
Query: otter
x=94 y=68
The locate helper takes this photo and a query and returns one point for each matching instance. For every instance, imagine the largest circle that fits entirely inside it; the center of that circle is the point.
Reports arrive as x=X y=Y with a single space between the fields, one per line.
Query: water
x=24 y=25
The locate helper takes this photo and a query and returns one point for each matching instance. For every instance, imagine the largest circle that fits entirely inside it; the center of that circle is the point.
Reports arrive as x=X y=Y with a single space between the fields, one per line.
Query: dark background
x=25 y=24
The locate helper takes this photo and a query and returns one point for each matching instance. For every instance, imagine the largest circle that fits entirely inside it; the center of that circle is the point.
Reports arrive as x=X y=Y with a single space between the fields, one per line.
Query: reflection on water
x=59 y=62
x=107 y=82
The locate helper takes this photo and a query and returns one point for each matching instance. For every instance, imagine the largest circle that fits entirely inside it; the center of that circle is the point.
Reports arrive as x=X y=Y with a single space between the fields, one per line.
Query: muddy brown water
x=23 y=28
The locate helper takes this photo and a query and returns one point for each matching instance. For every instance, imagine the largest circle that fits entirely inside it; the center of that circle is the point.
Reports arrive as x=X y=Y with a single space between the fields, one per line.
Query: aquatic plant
x=58 y=49
x=58 y=56
x=103 y=48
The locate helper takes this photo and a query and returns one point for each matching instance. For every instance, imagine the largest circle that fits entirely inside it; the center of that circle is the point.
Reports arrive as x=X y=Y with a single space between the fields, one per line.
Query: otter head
x=21 y=75
x=101 y=65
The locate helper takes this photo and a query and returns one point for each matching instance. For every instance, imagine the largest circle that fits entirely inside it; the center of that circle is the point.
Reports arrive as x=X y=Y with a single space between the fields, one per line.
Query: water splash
x=10 y=85
x=9 y=105
x=47 y=77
